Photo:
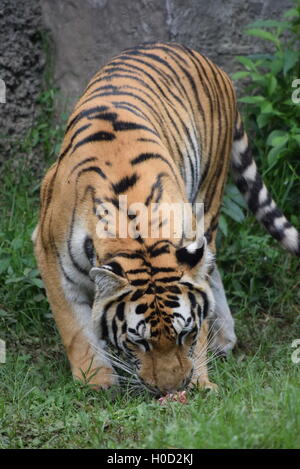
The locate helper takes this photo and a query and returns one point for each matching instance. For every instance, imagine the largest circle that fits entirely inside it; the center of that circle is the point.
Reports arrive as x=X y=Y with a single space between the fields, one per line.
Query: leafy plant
x=271 y=117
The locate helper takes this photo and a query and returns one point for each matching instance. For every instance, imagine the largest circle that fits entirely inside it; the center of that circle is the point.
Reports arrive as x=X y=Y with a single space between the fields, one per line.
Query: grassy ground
x=258 y=405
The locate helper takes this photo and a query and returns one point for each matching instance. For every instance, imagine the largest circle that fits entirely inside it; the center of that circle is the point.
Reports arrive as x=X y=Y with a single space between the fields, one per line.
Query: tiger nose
x=183 y=383
x=176 y=370
x=175 y=385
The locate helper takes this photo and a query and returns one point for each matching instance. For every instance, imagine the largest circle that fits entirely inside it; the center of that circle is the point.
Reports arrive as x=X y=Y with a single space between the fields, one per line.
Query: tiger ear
x=109 y=279
x=194 y=254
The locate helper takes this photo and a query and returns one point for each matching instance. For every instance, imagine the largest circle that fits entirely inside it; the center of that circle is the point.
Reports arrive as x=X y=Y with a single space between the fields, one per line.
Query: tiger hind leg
x=222 y=337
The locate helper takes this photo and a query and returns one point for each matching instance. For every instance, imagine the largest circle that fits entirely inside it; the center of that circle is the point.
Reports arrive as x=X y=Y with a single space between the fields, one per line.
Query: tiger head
x=150 y=306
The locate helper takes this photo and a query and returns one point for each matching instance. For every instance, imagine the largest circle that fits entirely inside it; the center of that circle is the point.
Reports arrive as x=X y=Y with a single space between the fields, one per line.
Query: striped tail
x=260 y=202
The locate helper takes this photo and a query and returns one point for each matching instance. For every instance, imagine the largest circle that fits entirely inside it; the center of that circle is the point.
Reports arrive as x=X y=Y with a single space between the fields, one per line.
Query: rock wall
x=89 y=32
x=21 y=65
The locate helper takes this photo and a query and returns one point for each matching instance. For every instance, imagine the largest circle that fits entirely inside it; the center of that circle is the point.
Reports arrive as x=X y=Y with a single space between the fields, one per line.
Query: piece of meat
x=179 y=396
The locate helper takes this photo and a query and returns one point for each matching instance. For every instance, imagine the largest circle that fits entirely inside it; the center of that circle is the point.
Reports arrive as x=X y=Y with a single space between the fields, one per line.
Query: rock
x=21 y=65
x=87 y=34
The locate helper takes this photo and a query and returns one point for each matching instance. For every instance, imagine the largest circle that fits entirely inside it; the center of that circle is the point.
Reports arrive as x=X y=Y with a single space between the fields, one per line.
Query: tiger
x=158 y=124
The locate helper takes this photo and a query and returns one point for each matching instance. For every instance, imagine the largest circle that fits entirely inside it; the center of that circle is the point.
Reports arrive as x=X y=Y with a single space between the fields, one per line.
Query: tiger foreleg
x=200 y=377
x=222 y=336
x=73 y=319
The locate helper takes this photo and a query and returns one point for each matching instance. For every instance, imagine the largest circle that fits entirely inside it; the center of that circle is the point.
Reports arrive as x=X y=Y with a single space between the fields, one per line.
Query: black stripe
x=168 y=279
x=94 y=169
x=124 y=327
x=77 y=266
x=192 y=299
x=62 y=267
x=150 y=156
x=85 y=113
x=254 y=188
x=69 y=146
x=171 y=304
x=119 y=126
x=120 y=311
x=188 y=284
x=96 y=137
x=125 y=183
x=116 y=268
x=106 y=116
x=205 y=301
x=161 y=241
x=216 y=176
x=178 y=315
x=139 y=282
x=268 y=220
x=185 y=257
x=89 y=249
x=136 y=271
x=86 y=160
x=212 y=97
x=137 y=295
x=115 y=331
x=239 y=132
x=141 y=309
x=181 y=336
x=160 y=251
x=132 y=108
x=150 y=290
x=157 y=270
x=156 y=187
x=172 y=297
x=113 y=201
x=103 y=327
x=148 y=140
x=144 y=343
x=123 y=296
x=131 y=255
x=246 y=160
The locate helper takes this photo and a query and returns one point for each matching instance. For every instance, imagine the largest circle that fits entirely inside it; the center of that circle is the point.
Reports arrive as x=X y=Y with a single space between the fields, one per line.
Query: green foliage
x=46 y=135
x=20 y=282
x=48 y=129
x=271 y=117
x=233 y=204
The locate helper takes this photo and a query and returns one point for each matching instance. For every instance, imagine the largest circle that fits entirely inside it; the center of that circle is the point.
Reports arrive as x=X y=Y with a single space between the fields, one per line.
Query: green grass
x=258 y=404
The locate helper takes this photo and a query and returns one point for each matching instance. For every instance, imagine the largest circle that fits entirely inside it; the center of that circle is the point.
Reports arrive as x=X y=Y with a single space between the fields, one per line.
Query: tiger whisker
x=127 y=379
x=206 y=361
x=116 y=358
x=213 y=355
x=115 y=361
x=209 y=341
x=112 y=357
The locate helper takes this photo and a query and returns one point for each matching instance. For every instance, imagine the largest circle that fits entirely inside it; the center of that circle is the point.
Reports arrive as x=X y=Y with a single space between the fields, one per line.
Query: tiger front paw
x=204 y=383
